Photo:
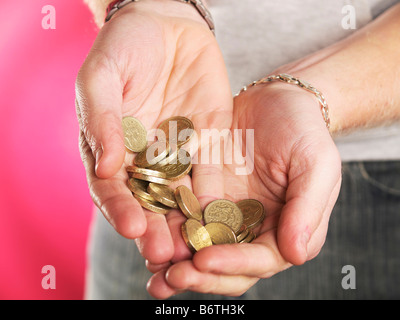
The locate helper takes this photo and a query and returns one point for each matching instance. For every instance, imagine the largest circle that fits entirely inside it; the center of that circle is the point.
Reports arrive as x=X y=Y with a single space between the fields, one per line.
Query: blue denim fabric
x=364 y=232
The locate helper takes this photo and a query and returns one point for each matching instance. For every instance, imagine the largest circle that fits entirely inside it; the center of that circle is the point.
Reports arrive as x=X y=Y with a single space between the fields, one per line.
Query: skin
x=152 y=81
x=298 y=194
x=161 y=72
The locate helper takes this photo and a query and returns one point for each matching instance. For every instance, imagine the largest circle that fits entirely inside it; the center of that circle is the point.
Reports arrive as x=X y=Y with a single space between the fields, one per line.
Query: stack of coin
x=159 y=164
x=225 y=222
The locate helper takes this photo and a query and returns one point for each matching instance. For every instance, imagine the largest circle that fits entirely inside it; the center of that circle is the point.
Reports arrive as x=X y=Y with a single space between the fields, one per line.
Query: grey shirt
x=257 y=36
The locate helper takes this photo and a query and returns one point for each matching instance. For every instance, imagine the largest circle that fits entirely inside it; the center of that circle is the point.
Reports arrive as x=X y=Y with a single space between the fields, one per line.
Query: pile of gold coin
x=157 y=165
x=225 y=222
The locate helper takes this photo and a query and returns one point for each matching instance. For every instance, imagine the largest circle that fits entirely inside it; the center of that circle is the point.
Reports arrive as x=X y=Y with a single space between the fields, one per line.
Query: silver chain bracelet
x=287 y=78
x=198 y=4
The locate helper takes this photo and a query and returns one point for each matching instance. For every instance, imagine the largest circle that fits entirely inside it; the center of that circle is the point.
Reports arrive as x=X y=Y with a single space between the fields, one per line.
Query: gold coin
x=177 y=170
x=253 y=212
x=172 y=157
x=162 y=194
x=145 y=177
x=224 y=211
x=195 y=235
x=188 y=203
x=135 y=134
x=249 y=238
x=146 y=171
x=152 y=154
x=152 y=205
x=220 y=233
x=243 y=228
x=242 y=233
x=177 y=130
x=139 y=187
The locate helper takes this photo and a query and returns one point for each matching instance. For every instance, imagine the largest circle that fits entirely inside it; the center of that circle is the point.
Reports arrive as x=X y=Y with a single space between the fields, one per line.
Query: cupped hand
x=296 y=175
x=152 y=60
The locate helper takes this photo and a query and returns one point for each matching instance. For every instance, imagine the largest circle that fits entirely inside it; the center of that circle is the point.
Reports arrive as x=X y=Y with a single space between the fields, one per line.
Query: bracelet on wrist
x=287 y=78
x=114 y=6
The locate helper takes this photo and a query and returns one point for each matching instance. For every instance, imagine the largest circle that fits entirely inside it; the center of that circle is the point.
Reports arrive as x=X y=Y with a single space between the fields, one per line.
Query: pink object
x=45 y=207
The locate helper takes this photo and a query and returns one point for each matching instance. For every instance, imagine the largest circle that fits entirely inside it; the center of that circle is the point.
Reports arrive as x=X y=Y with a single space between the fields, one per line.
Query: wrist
x=292 y=81
x=185 y=9
x=333 y=94
x=323 y=80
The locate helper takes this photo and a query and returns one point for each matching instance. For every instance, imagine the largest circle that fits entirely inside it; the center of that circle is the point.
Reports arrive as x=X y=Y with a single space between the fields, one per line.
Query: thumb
x=99 y=101
x=310 y=198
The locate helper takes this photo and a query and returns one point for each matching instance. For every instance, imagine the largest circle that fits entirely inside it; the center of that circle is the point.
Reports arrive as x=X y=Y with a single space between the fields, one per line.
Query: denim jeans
x=364 y=233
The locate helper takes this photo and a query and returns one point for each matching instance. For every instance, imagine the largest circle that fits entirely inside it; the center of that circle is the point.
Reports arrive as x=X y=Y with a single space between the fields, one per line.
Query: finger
x=113 y=197
x=163 y=241
x=175 y=220
x=260 y=259
x=207 y=174
x=163 y=246
x=181 y=250
x=159 y=288
x=154 y=268
x=313 y=188
x=185 y=276
x=156 y=244
x=318 y=238
x=99 y=98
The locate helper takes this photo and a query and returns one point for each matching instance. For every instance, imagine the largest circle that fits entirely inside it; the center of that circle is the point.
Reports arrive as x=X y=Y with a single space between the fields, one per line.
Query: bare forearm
x=359 y=75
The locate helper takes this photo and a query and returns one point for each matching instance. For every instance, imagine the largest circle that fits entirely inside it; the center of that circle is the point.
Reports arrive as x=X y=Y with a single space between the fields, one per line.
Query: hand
x=152 y=60
x=297 y=176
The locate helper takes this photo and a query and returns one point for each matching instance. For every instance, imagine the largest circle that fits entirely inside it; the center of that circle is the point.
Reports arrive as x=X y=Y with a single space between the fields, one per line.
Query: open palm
x=296 y=176
x=150 y=63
